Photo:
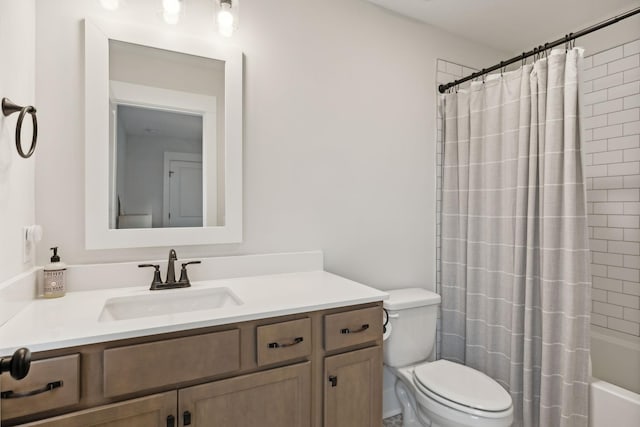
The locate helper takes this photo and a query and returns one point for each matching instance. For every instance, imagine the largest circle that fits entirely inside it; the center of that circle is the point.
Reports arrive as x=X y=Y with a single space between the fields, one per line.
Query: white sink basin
x=165 y=302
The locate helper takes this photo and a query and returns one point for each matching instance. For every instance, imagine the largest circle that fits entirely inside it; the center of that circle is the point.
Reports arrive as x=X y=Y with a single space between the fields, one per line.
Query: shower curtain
x=515 y=278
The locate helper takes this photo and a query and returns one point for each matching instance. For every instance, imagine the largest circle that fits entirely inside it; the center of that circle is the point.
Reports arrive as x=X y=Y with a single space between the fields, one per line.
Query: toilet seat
x=462 y=388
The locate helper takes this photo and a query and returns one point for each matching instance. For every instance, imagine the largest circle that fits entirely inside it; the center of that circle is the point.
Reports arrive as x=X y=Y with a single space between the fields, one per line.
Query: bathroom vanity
x=302 y=349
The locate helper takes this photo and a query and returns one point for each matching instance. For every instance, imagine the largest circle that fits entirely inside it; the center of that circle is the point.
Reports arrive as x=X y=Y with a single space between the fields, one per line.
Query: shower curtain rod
x=542 y=48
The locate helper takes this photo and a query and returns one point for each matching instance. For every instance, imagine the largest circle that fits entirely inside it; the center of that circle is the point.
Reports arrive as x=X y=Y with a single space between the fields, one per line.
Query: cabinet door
x=353 y=389
x=150 y=411
x=276 y=398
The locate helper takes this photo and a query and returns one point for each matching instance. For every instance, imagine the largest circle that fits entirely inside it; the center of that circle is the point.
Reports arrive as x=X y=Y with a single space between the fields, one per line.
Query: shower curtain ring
x=524 y=58
x=570 y=41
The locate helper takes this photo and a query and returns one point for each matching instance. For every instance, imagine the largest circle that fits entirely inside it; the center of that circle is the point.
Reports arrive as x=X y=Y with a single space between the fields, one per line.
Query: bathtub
x=615 y=385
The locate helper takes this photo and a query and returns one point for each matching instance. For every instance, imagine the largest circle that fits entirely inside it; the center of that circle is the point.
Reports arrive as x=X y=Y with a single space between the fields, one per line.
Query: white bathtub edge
x=610 y=405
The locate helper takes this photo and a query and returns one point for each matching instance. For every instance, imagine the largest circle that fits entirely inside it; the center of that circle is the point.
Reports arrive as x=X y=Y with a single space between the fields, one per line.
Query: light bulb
x=171 y=7
x=110 y=4
x=225 y=20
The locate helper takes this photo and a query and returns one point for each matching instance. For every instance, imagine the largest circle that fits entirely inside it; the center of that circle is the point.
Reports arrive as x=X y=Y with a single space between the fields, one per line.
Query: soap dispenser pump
x=54 y=277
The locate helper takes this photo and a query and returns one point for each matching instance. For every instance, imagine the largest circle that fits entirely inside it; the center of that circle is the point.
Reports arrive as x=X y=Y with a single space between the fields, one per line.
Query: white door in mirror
x=185 y=194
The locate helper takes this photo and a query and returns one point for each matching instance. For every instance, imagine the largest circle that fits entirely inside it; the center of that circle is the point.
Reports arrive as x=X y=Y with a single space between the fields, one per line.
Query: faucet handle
x=157 y=280
x=184 y=278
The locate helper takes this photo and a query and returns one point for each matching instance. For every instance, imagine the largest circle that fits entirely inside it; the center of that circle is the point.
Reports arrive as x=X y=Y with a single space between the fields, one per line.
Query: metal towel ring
x=9 y=108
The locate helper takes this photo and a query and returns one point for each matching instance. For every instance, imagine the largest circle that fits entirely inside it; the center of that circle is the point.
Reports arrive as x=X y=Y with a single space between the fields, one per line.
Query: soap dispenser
x=54 y=277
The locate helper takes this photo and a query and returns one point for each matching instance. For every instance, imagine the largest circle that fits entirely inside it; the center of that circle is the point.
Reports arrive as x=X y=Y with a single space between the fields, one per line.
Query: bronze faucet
x=171 y=272
x=171 y=282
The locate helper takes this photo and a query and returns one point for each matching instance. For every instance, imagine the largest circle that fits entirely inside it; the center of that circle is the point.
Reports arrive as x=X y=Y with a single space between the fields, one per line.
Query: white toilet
x=440 y=393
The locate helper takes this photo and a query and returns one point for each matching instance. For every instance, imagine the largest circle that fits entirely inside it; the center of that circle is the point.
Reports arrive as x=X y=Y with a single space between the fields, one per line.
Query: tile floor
x=393 y=421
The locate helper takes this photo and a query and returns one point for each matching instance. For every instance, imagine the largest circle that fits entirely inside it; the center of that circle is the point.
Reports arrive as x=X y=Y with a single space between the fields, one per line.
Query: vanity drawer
x=283 y=341
x=352 y=328
x=157 y=364
x=51 y=384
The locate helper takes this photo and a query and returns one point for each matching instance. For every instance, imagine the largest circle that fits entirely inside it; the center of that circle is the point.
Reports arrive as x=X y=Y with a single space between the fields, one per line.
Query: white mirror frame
x=98 y=235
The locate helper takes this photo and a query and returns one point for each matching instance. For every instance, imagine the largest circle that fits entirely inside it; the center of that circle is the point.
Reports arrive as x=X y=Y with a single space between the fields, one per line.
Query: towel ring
x=9 y=108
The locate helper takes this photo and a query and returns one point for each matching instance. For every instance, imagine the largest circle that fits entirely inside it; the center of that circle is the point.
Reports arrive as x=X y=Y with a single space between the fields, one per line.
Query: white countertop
x=47 y=324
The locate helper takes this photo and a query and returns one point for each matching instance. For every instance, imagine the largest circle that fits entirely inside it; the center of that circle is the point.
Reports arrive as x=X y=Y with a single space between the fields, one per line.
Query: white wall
x=611 y=36
x=17 y=82
x=144 y=173
x=339 y=128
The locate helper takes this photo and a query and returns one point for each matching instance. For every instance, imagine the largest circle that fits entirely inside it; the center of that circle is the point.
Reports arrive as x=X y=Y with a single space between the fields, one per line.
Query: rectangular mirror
x=163 y=139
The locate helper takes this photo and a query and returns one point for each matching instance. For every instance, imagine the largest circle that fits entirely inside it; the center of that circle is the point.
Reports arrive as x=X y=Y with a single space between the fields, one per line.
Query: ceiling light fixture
x=171 y=11
x=226 y=17
x=110 y=4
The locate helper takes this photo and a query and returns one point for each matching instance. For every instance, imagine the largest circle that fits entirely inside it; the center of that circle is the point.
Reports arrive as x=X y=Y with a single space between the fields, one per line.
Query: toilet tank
x=413 y=313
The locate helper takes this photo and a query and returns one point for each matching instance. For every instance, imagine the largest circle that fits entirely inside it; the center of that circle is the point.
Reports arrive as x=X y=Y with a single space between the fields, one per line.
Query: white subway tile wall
x=612 y=160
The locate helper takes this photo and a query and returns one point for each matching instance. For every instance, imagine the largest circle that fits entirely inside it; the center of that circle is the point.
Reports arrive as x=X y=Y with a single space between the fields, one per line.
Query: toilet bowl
x=481 y=404
x=440 y=393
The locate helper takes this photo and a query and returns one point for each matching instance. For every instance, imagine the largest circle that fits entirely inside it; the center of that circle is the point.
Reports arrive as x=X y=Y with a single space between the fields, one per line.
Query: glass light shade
x=110 y=4
x=225 y=20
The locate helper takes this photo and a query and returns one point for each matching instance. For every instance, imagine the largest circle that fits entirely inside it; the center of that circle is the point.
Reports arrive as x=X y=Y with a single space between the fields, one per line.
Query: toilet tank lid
x=410 y=298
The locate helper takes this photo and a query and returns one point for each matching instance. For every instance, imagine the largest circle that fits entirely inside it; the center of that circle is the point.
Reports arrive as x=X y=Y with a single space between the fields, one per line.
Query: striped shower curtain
x=515 y=274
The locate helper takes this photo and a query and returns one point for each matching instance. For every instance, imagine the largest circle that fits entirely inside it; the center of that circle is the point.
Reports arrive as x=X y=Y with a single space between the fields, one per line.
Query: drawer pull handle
x=10 y=394
x=295 y=341
x=171 y=421
x=346 y=331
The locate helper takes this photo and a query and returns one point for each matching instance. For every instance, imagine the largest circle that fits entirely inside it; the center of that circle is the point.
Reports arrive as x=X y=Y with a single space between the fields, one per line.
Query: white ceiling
x=141 y=121
x=509 y=25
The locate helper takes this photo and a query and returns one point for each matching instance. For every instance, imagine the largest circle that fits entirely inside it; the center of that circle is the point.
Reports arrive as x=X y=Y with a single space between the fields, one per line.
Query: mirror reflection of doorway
x=158 y=170
x=182 y=190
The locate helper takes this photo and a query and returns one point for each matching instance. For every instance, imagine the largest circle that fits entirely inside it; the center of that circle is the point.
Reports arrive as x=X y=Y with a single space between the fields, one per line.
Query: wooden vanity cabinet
x=353 y=379
x=275 y=398
x=52 y=383
x=155 y=410
x=322 y=368
x=352 y=392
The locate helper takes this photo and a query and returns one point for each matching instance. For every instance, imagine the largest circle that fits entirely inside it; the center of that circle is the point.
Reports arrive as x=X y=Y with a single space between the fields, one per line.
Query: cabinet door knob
x=333 y=380
x=186 y=418
x=17 y=365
